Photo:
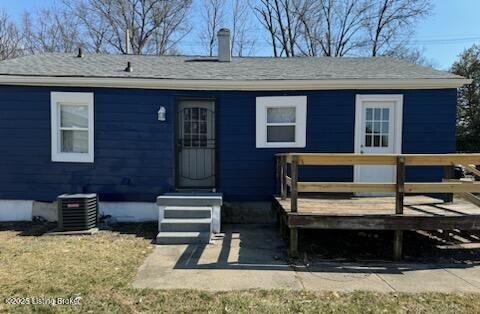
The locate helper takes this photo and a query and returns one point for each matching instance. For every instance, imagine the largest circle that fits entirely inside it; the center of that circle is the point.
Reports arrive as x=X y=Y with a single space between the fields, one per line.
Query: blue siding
x=134 y=152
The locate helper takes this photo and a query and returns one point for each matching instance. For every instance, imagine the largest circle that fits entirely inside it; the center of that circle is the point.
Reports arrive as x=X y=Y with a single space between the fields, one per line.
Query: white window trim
x=300 y=104
x=72 y=98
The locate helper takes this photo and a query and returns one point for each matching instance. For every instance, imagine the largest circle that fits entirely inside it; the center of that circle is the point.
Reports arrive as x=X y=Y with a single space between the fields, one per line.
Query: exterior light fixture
x=162 y=113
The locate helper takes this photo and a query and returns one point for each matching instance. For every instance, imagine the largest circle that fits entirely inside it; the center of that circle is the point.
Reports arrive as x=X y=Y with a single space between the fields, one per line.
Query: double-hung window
x=281 y=121
x=72 y=127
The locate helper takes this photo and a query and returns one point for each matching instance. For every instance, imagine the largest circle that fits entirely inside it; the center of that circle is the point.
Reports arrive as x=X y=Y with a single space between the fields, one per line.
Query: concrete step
x=183 y=237
x=190 y=199
x=185 y=225
x=188 y=212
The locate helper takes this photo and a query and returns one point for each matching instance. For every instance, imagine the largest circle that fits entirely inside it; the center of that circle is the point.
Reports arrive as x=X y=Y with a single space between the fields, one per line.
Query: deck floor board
x=365 y=206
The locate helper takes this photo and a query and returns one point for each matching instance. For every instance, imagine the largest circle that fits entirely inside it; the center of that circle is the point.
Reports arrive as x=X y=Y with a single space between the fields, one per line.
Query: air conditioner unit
x=77 y=212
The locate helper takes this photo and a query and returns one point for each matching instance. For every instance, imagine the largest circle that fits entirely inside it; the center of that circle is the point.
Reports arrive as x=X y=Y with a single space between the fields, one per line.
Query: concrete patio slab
x=428 y=279
x=470 y=275
x=253 y=256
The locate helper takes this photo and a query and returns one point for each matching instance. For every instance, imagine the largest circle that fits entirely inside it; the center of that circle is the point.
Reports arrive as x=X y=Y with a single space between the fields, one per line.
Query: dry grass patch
x=100 y=270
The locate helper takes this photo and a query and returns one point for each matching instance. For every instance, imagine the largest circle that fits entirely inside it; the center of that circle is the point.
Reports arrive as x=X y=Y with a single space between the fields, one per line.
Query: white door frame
x=397 y=99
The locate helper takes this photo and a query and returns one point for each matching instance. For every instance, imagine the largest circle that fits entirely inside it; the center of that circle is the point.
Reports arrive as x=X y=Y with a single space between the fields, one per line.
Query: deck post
x=283 y=174
x=397 y=245
x=400 y=187
x=293 y=245
x=447 y=175
x=278 y=173
x=399 y=202
x=294 y=187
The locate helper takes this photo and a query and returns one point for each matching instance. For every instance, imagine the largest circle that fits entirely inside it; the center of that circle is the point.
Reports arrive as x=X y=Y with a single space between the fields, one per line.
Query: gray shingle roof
x=204 y=68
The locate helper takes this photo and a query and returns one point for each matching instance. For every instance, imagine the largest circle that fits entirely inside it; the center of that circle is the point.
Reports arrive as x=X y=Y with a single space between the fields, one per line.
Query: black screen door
x=196 y=144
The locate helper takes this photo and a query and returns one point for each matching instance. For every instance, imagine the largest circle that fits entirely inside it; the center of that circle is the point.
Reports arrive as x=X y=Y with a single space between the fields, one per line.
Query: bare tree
x=332 y=27
x=10 y=38
x=243 y=38
x=50 y=30
x=94 y=28
x=213 y=18
x=281 y=21
x=314 y=27
x=265 y=16
x=411 y=54
x=234 y=14
x=156 y=26
x=390 y=23
x=340 y=27
x=172 y=30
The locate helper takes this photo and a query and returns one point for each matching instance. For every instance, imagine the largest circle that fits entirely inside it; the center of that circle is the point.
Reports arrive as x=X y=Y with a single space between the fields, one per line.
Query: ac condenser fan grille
x=77 y=212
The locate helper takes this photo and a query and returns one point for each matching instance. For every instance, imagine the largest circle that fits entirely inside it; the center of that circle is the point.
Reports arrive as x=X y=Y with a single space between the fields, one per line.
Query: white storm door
x=378 y=130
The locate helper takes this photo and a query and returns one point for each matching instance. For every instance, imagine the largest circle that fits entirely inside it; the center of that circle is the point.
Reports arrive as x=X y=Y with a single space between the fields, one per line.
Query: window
x=281 y=121
x=72 y=127
x=195 y=122
x=377 y=122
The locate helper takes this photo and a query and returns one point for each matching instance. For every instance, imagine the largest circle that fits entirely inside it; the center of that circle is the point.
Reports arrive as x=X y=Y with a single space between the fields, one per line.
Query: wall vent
x=77 y=212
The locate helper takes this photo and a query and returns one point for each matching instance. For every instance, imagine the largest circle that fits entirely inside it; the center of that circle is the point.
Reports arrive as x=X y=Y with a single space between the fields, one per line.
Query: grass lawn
x=100 y=269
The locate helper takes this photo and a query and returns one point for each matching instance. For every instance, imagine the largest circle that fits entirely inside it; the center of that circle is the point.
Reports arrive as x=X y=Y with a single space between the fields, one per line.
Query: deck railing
x=289 y=182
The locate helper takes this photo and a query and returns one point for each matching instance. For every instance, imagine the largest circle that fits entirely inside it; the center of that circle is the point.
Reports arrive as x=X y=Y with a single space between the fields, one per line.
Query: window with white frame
x=72 y=127
x=281 y=121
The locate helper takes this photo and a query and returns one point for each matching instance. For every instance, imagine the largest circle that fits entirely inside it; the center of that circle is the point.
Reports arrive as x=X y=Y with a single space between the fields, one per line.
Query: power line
x=418 y=41
x=442 y=41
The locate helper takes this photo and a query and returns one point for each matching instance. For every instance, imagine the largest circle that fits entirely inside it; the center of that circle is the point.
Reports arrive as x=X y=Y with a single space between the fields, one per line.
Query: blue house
x=131 y=128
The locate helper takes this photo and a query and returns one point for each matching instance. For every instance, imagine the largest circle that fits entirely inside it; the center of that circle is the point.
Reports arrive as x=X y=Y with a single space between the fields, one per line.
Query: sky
x=453 y=26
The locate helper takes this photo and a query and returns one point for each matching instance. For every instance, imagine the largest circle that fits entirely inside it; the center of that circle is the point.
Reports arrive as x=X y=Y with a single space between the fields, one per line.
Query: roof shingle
x=205 y=68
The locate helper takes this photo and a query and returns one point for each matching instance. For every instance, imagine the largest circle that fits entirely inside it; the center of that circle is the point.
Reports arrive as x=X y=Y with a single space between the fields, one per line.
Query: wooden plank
x=379 y=206
x=384 y=222
x=278 y=175
x=473 y=170
x=294 y=185
x=471 y=198
x=442 y=187
x=345 y=187
x=441 y=159
x=283 y=191
x=400 y=186
x=346 y=159
x=351 y=205
x=383 y=159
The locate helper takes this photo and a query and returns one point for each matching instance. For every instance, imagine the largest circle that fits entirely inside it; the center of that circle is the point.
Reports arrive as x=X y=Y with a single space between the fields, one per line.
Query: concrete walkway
x=250 y=257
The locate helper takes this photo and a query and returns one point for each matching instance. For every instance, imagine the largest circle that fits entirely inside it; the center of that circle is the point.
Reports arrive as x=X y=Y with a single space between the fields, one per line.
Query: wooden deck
x=402 y=211
x=374 y=213
x=355 y=205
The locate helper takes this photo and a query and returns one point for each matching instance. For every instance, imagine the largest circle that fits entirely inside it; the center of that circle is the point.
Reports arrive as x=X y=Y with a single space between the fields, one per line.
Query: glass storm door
x=196 y=145
x=377 y=136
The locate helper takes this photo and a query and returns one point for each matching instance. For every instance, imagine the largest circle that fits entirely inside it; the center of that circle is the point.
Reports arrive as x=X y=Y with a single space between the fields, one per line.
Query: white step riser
x=184 y=227
x=188 y=201
x=187 y=213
